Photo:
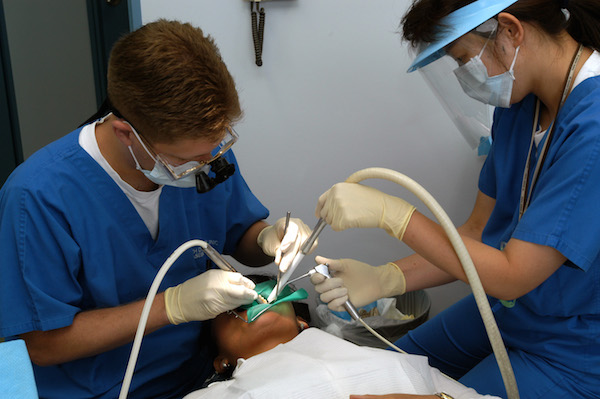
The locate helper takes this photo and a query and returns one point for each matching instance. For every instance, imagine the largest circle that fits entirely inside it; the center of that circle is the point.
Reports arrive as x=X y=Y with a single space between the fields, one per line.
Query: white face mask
x=495 y=90
x=161 y=176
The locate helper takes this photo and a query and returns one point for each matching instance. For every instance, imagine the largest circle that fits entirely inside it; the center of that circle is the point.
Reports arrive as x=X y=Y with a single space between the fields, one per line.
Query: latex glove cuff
x=392 y=280
x=395 y=216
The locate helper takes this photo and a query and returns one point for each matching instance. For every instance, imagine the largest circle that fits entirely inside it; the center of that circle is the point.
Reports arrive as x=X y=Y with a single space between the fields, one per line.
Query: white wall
x=331 y=98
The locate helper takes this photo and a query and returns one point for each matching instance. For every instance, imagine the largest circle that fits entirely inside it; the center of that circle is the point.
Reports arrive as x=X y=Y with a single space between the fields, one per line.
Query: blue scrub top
x=72 y=241
x=560 y=319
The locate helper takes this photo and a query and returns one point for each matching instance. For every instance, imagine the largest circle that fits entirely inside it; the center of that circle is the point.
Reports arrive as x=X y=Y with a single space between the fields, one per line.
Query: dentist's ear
x=123 y=132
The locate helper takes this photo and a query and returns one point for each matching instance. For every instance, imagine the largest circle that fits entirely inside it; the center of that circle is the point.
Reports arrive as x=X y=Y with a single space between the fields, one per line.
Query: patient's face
x=236 y=338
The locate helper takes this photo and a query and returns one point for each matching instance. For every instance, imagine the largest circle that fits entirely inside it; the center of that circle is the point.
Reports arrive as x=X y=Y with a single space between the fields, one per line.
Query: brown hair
x=169 y=81
x=421 y=24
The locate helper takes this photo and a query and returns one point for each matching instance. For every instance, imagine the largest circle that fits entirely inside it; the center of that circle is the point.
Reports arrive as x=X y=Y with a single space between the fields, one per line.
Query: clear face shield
x=467 y=30
x=471 y=116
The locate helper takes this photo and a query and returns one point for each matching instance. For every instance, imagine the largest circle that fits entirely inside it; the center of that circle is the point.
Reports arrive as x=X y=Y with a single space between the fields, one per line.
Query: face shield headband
x=455 y=25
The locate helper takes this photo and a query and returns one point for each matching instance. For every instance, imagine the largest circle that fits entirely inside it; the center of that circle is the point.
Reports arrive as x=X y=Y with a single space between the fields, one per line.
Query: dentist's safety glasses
x=179 y=170
x=256 y=308
x=471 y=117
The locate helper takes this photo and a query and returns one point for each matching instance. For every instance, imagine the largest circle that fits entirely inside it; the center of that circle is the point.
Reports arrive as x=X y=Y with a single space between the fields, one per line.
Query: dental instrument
x=304 y=249
x=218 y=259
x=309 y=273
x=287 y=223
x=324 y=270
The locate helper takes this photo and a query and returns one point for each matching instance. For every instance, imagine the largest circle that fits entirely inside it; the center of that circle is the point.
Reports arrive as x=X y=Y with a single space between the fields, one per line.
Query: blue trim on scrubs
x=72 y=241
x=553 y=332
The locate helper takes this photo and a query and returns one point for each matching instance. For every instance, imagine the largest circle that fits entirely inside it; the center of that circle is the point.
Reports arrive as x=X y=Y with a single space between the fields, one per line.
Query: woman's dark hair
x=421 y=24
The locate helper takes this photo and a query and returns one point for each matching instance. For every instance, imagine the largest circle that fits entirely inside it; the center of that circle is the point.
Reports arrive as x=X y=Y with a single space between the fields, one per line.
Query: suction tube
x=139 y=335
x=483 y=305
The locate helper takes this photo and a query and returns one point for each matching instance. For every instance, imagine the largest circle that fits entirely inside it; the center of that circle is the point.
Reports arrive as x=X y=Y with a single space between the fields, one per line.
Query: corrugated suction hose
x=483 y=305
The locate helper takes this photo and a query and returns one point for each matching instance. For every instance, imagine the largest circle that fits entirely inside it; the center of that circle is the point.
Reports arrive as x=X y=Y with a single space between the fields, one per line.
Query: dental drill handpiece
x=222 y=263
x=324 y=270
x=304 y=249
x=218 y=259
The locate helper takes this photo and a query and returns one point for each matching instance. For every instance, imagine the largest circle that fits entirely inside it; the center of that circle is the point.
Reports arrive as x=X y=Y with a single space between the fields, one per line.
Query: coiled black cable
x=258 y=30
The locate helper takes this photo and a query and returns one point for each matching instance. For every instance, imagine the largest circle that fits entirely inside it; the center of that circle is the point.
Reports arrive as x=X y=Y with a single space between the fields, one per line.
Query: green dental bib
x=263 y=289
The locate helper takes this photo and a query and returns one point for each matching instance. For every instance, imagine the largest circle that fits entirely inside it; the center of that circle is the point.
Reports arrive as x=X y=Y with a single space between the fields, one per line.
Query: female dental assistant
x=534 y=232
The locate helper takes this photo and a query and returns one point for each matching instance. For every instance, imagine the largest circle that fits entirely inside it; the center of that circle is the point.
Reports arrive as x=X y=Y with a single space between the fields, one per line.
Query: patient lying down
x=278 y=356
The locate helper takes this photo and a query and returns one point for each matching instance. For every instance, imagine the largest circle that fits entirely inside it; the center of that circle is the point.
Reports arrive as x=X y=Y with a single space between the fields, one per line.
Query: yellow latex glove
x=208 y=295
x=347 y=205
x=284 y=249
x=357 y=281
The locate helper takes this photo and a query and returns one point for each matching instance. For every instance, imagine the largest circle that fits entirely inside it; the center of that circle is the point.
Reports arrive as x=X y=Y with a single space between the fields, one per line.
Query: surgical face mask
x=494 y=90
x=161 y=176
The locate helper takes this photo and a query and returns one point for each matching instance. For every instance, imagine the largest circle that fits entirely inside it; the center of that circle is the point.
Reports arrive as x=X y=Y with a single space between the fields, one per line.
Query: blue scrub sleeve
x=39 y=286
